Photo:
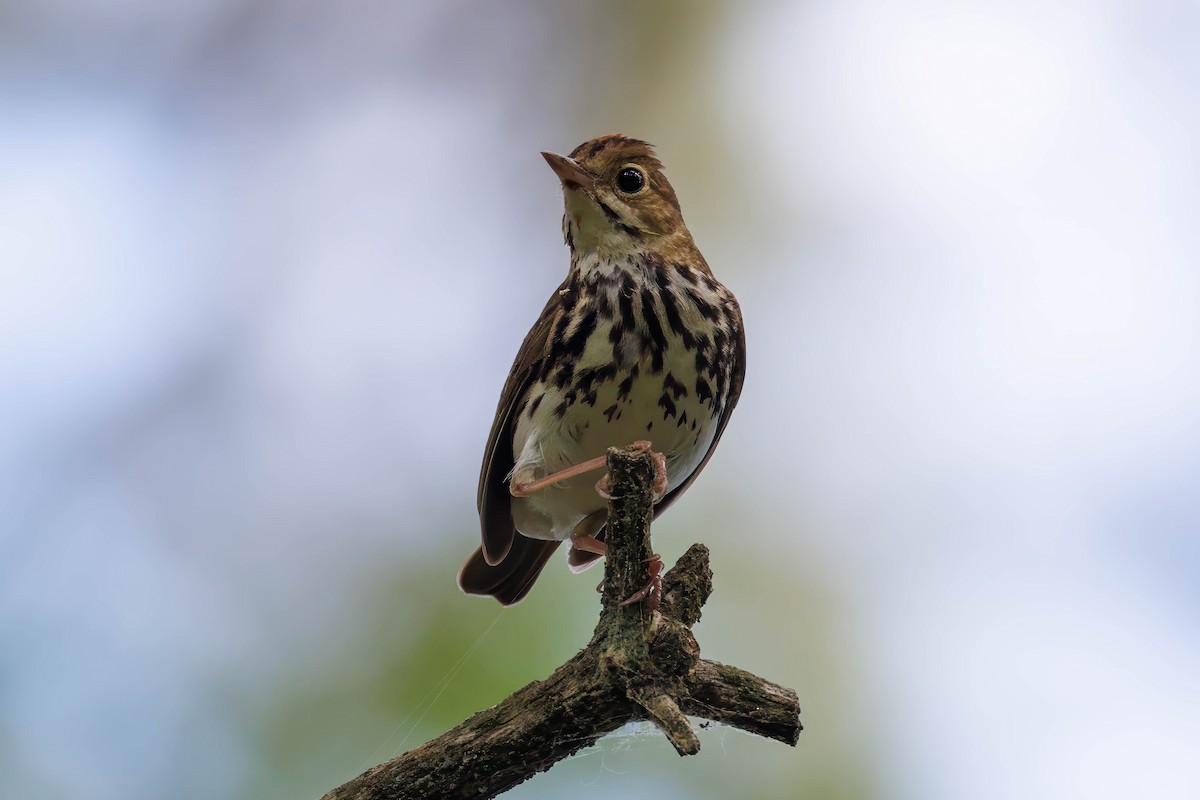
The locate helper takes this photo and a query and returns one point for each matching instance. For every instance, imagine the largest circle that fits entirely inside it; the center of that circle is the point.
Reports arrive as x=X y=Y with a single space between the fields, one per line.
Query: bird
x=639 y=344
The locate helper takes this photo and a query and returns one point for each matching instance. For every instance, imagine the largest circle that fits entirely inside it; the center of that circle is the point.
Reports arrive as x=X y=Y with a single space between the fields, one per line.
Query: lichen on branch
x=639 y=665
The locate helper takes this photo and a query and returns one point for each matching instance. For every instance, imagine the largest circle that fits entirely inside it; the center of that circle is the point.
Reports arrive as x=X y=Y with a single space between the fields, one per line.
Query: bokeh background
x=264 y=266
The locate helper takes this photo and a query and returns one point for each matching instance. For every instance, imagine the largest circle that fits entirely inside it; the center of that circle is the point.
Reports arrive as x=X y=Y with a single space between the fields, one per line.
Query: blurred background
x=263 y=269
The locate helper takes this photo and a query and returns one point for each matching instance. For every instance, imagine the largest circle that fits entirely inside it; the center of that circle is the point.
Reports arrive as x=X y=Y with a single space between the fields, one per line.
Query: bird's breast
x=634 y=354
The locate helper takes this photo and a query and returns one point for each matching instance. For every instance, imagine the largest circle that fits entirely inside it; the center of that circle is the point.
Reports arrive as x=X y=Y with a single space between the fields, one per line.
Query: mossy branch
x=639 y=665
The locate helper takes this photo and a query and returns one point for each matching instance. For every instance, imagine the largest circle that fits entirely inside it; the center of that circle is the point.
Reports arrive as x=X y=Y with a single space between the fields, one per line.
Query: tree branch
x=639 y=665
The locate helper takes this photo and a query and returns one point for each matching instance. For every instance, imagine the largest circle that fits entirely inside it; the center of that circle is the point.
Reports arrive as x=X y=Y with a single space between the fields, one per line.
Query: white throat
x=592 y=232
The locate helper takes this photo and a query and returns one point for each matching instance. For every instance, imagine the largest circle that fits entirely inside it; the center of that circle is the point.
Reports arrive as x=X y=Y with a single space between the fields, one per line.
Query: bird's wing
x=494 y=501
x=736 y=377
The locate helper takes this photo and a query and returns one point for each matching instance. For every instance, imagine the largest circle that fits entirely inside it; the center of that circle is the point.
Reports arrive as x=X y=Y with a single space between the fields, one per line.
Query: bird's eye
x=631 y=180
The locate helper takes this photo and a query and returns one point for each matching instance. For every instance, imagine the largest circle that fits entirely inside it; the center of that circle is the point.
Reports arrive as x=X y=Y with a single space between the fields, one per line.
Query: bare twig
x=639 y=665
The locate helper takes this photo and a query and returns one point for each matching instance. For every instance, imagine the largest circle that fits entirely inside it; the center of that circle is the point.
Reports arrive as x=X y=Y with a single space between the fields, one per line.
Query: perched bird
x=640 y=343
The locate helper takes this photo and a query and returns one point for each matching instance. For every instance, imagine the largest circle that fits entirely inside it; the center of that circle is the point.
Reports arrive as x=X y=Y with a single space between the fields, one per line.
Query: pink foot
x=652 y=591
x=658 y=487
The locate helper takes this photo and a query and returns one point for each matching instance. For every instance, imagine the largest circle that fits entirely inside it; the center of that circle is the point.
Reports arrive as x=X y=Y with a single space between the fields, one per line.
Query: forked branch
x=639 y=665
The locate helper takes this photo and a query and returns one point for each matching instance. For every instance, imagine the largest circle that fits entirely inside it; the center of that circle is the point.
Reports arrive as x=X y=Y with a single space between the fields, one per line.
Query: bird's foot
x=603 y=488
x=652 y=591
x=659 y=485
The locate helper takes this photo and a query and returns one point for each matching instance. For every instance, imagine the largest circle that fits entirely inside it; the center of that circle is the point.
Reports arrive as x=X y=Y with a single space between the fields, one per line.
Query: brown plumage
x=639 y=342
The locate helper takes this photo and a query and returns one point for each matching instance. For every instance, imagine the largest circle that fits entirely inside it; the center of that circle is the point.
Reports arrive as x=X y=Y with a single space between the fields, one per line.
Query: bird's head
x=617 y=199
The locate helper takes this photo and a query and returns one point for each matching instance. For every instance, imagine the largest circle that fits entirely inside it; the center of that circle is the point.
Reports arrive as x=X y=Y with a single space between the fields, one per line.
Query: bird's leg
x=588 y=527
x=525 y=488
x=584 y=541
x=652 y=591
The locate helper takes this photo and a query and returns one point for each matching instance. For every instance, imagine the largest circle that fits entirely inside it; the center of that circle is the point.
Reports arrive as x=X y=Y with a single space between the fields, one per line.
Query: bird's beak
x=569 y=172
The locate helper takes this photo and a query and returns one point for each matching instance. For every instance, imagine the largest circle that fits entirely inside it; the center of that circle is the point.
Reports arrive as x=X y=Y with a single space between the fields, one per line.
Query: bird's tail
x=512 y=578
